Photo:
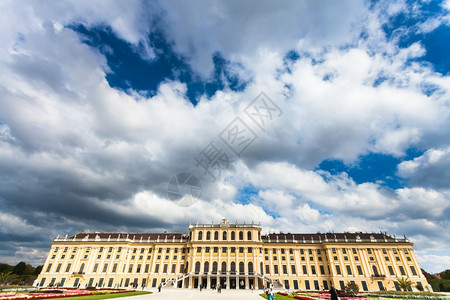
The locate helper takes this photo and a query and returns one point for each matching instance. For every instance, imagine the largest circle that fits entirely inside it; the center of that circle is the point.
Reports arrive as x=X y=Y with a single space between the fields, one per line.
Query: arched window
x=224 y=236
x=216 y=235
x=81 y=268
x=241 y=236
x=206 y=267
x=259 y=236
x=200 y=235
x=250 y=268
x=233 y=236
x=197 y=267
x=186 y=269
x=208 y=235
x=261 y=268
x=249 y=235
x=233 y=267
x=214 y=269
x=224 y=266
x=241 y=268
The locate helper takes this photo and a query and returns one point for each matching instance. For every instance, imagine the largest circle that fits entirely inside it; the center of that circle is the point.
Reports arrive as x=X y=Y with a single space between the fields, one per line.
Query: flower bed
x=321 y=295
x=58 y=293
x=18 y=289
x=303 y=298
x=409 y=296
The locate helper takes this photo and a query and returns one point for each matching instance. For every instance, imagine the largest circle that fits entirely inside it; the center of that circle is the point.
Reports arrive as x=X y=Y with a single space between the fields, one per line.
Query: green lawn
x=278 y=297
x=109 y=296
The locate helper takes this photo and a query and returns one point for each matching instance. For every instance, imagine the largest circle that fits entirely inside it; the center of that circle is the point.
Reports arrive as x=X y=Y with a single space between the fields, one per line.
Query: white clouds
x=428 y=159
x=356 y=116
x=446 y=5
x=434 y=263
x=429 y=170
x=240 y=30
x=153 y=206
x=129 y=20
x=276 y=201
x=341 y=195
x=11 y=224
x=308 y=215
x=423 y=203
x=5 y=133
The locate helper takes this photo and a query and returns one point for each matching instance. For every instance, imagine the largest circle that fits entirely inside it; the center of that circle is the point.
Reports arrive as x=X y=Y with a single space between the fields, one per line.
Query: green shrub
x=352 y=288
x=440 y=285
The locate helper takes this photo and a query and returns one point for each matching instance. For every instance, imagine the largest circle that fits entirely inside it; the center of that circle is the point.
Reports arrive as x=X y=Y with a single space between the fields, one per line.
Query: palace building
x=235 y=255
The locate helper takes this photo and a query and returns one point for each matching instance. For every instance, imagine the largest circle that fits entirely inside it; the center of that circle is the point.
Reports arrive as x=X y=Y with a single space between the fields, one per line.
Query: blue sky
x=101 y=105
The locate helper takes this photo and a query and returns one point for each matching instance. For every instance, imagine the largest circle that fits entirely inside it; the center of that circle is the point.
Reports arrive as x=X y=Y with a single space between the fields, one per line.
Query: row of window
x=292 y=258
x=250 y=249
x=224 y=249
x=119 y=250
x=371 y=258
x=224 y=267
x=96 y=268
x=108 y=256
x=375 y=270
x=291 y=251
x=225 y=235
x=369 y=250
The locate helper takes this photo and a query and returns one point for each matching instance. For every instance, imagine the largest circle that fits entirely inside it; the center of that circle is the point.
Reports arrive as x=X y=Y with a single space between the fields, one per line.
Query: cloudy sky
x=102 y=104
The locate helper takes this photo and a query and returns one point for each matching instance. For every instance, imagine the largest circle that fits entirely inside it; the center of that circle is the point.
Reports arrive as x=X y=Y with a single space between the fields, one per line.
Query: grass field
x=277 y=297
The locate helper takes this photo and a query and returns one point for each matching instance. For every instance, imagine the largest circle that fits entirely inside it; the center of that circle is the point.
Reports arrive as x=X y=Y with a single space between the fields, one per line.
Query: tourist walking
x=271 y=295
x=333 y=293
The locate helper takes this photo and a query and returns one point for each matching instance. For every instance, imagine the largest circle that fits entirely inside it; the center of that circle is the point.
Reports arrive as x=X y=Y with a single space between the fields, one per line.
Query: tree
x=38 y=270
x=445 y=274
x=427 y=275
x=404 y=283
x=29 y=270
x=6 y=277
x=351 y=289
x=5 y=268
x=20 y=268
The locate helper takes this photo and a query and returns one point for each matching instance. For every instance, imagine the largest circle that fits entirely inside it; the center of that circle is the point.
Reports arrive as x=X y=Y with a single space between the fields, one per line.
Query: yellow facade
x=234 y=255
